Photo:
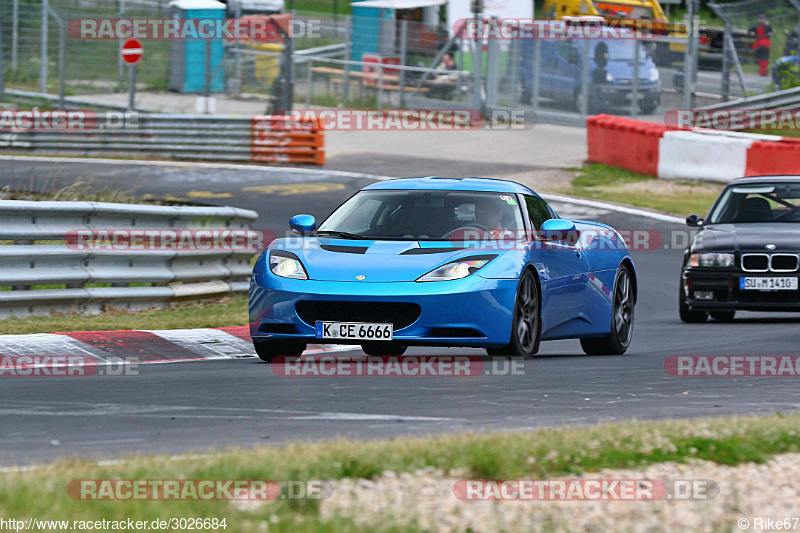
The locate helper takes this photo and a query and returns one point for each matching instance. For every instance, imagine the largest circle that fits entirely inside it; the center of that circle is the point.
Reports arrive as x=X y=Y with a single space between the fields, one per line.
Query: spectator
x=762 y=31
x=792 y=41
x=444 y=83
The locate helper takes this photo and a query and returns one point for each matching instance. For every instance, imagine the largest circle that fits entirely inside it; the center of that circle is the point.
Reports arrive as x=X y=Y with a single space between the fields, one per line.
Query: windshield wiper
x=342 y=234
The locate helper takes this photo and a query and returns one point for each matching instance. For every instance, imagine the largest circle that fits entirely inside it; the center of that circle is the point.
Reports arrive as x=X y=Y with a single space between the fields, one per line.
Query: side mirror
x=560 y=229
x=694 y=220
x=302 y=224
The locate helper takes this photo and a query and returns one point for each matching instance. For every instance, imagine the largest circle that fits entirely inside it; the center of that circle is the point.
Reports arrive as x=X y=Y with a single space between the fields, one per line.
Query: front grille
x=400 y=315
x=768 y=297
x=277 y=328
x=755 y=262
x=784 y=263
x=770 y=262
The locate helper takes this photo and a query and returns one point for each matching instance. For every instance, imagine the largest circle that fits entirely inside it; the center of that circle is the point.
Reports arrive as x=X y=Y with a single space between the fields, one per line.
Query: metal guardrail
x=178 y=136
x=786 y=99
x=173 y=275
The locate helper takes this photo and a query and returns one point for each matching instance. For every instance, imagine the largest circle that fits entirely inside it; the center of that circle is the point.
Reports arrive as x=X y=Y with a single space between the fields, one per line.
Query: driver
x=489 y=214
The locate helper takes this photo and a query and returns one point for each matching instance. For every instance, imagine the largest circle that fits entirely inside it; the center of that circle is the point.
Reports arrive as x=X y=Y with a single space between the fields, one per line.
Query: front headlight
x=457 y=269
x=609 y=77
x=654 y=74
x=286 y=265
x=711 y=260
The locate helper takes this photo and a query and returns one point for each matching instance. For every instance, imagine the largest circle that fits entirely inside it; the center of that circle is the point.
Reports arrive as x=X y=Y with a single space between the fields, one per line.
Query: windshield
x=623 y=50
x=422 y=214
x=765 y=202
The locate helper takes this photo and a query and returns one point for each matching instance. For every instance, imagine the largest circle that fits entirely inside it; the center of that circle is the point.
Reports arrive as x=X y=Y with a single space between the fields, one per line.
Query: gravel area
x=425 y=500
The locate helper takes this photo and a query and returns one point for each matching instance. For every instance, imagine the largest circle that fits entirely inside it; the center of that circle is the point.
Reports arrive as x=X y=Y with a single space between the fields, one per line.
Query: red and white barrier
x=672 y=153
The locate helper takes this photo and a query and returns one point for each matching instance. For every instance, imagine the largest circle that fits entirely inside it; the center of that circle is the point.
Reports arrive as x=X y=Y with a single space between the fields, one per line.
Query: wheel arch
x=628 y=262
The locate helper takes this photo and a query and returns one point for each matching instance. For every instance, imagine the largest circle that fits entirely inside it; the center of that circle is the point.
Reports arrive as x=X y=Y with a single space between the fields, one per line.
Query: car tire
x=383 y=348
x=723 y=316
x=690 y=317
x=526 y=323
x=622 y=314
x=649 y=108
x=268 y=351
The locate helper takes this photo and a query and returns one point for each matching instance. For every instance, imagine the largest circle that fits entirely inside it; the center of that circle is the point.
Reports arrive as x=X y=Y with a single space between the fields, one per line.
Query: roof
x=197 y=4
x=764 y=179
x=455 y=184
x=398 y=4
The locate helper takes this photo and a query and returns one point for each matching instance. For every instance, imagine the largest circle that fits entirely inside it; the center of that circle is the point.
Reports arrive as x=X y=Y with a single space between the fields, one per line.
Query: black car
x=746 y=255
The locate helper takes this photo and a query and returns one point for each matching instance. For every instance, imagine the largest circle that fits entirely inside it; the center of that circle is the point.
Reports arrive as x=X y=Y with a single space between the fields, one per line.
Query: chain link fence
x=392 y=60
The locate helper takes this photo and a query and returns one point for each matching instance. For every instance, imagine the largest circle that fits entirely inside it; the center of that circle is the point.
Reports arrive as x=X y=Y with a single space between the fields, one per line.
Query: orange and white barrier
x=672 y=153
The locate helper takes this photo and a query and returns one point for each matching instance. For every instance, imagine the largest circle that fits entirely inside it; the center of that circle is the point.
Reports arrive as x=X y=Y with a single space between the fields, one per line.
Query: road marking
x=192 y=164
x=208 y=194
x=287 y=189
x=613 y=207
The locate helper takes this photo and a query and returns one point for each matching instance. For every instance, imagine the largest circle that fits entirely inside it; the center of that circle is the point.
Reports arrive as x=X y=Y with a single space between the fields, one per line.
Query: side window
x=538 y=211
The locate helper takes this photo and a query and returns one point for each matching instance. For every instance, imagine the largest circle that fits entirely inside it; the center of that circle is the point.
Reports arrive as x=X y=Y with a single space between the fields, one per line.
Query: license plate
x=355 y=331
x=768 y=284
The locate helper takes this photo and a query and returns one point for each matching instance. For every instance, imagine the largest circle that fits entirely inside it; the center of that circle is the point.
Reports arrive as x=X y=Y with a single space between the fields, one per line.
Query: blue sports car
x=443 y=262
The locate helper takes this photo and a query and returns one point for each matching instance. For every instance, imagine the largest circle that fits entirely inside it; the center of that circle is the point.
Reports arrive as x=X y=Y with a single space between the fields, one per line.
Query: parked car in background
x=610 y=81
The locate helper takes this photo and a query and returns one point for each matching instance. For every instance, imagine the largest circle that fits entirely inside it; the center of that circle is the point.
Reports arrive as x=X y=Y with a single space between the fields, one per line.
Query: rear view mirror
x=302 y=224
x=560 y=229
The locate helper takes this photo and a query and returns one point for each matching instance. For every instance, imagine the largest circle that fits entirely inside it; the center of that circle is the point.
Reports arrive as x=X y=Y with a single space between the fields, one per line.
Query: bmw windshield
x=758 y=203
x=423 y=215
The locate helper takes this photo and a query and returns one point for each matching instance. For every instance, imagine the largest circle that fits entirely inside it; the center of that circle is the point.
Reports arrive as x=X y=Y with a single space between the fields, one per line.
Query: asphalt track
x=203 y=405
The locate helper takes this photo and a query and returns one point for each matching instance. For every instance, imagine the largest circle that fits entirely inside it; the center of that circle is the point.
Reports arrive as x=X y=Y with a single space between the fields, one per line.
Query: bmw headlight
x=609 y=77
x=457 y=269
x=286 y=265
x=711 y=260
x=654 y=74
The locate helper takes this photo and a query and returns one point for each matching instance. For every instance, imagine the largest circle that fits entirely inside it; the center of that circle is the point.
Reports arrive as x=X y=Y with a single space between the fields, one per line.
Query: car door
x=563 y=269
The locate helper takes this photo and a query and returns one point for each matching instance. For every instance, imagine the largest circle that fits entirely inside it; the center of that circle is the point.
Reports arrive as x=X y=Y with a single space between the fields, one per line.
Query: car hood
x=378 y=261
x=748 y=237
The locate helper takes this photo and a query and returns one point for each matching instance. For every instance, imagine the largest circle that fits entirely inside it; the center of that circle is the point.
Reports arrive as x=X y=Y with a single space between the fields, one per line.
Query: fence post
x=726 y=63
x=2 y=68
x=492 y=70
x=347 y=44
x=584 y=103
x=14 y=34
x=690 y=57
x=477 y=67
x=309 y=81
x=120 y=62
x=62 y=45
x=238 y=91
x=403 y=54
x=43 y=49
x=514 y=70
x=635 y=90
x=537 y=68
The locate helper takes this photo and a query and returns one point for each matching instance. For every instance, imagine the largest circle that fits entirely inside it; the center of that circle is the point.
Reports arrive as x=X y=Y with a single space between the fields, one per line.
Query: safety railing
x=177 y=136
x=46 y=267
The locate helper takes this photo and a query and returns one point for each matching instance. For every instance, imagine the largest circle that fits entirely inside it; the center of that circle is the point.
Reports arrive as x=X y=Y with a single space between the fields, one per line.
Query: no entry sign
x=132 y=51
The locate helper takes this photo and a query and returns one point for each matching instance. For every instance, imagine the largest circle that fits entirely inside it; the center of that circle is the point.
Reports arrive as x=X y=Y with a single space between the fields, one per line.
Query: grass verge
x=614 y=184
x=230 y=311
x=544 y=453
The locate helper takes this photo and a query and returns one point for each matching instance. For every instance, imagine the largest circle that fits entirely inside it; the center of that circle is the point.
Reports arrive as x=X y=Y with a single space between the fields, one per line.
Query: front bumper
x=473 y=311
x=728 y=296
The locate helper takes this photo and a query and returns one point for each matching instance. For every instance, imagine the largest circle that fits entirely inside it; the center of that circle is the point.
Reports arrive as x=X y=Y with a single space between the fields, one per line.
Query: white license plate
x=768 y=284
x=362 y=331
